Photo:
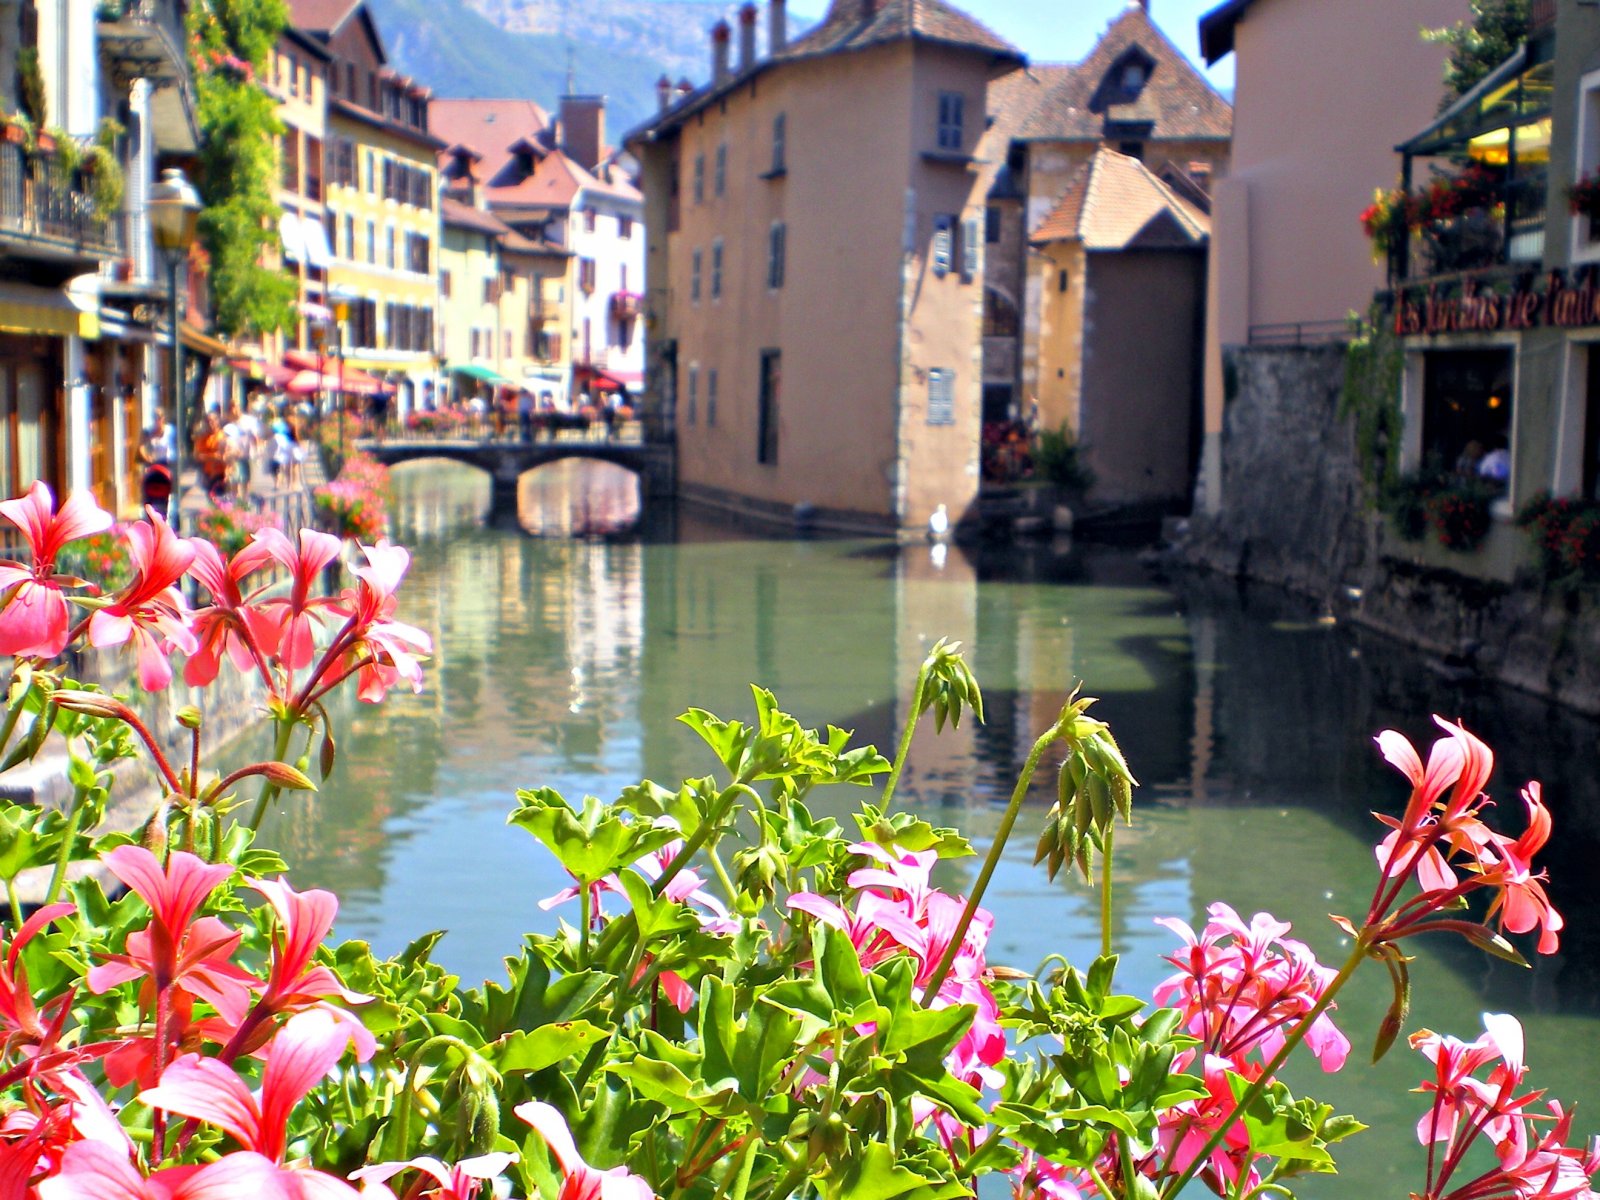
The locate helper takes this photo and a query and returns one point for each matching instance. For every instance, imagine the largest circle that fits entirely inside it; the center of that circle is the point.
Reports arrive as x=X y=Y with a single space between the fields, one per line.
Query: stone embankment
x=1295 y=513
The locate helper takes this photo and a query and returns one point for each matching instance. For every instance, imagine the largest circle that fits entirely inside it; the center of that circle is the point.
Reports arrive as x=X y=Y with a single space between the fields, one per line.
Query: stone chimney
x=583 y=129
x=663 y=93
x=720 y=36
x=747 y=35
x=684 y=87
x=777 y=26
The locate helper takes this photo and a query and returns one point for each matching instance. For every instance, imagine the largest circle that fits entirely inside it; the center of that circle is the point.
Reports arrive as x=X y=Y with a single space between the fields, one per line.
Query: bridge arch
x=507 y=462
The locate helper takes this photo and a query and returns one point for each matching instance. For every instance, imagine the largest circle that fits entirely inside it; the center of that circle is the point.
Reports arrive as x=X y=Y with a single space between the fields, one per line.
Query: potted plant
x=1388 y=222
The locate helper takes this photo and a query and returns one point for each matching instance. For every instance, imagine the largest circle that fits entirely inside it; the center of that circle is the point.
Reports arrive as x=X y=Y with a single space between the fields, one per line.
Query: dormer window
x=1133 y=76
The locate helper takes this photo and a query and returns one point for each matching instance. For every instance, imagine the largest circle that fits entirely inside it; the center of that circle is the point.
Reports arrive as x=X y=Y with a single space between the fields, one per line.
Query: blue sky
x=1065 y=30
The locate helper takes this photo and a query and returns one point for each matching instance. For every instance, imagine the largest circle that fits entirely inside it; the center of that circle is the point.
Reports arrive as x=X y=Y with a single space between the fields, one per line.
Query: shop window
x=1467 y=411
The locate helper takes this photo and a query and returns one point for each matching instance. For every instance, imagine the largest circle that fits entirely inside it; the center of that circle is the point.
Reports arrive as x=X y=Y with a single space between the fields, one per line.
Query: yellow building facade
x=381 y=203
x=504 y=302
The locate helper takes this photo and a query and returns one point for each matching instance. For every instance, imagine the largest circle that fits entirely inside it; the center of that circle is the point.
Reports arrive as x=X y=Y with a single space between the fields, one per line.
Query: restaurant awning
x=28 y=309
x=1518 y=94
x=482 y=374
x=603 y=381
x=195 y=341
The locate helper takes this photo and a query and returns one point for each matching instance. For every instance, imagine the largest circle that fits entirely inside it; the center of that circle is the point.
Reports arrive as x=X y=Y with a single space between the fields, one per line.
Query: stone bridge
x=505 y=462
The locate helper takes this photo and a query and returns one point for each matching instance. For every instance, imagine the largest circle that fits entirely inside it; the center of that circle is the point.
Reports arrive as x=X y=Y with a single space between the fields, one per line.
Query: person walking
x=525 y=415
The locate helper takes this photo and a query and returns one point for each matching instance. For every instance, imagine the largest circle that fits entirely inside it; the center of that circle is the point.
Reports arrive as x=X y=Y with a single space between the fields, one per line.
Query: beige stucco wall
x=841 y=200
x=855 y=187
x=1313 y=136
x=1058 y=321
x=944 y=314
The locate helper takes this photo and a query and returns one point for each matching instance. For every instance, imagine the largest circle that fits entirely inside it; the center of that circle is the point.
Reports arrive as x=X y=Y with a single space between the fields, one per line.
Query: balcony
x=626 y=306
x=49 y=224
x=1483 y=206
x=144 y=39
x=1496 y=224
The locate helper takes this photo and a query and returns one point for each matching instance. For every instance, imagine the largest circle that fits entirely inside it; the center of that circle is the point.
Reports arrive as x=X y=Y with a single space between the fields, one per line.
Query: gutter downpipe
x=900 y=481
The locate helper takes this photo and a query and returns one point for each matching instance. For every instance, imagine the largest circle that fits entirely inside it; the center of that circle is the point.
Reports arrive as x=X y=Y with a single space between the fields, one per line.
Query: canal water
x=1248 y=720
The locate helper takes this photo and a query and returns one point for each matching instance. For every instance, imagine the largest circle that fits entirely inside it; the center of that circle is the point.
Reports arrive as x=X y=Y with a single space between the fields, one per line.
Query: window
x=991 y=224
x=625 y=228
x=372 y=243
x=719 y=182
x=941 y=396
x=588 y=220
x=389 y=255
x=586 y=275
x=694 y=393
x=1467 y=407
x=294 y=77
x=942 y=253
x=716 y=269
x=779 y=148
x=999 y=315
x=951 y=105
x=694 y=276
x=291 y=161
x=313 y=168
x=1133 y=76
x=776 y=237
x=490 y=295
x=372 y=173
x=1131 y=149
x=699 y=178
x=1063 y=281
x=417 y=253
x=767 y=414
x=711 y=396
x=350 y=237
x=969 y=250
x=444 y=284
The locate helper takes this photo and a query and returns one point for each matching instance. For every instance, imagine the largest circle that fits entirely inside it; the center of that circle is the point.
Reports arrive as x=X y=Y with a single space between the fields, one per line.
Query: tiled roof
x=850 y=25
x=855 y=24
x=1175 y=99
x=553 y=184
x=487 y=126
x=1114 y=203
x=1010 y=101
x=465 y=216
x=320 y=16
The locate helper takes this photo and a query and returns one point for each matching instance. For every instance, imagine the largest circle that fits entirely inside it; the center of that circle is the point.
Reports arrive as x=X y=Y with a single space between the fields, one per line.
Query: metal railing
x=37 y=201
x=457 y=426
x=1302 y=333
x=1504 y=227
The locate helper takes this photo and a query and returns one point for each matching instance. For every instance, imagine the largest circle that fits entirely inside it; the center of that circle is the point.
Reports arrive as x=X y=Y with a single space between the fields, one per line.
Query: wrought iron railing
x=39 y=200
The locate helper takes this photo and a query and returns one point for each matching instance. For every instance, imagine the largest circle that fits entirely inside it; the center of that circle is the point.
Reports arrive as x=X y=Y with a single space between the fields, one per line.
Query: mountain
x=520 y=48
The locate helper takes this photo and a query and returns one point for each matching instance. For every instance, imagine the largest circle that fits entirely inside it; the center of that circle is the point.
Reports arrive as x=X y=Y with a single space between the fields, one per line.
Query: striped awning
x=28 y=309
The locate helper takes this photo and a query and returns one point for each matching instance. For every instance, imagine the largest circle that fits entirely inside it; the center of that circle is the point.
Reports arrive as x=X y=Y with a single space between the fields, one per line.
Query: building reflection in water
x=561 y=663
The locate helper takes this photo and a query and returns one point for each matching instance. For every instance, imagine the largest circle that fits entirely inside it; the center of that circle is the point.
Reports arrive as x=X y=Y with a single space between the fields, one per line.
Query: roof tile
x=1114 y=202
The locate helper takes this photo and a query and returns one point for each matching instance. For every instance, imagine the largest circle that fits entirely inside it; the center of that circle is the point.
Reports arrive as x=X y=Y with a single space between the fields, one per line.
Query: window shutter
x=969 y=249
x=943 y=236
x=941 y=396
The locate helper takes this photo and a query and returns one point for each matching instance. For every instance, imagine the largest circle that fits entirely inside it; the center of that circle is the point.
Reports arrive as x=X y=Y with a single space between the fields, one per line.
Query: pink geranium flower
x=93 y=1171
x=457 y=1181
x=150 y=611
x=580 y=1181
x=290 y=626
x=228 y=627
x=33 y=608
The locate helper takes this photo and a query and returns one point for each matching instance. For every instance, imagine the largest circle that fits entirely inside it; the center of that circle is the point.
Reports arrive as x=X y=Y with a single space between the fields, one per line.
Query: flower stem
x=1001 y=836
x=69 y=837
x=14 y=901
x=1105 y=891
x=913 y=715
x=1254 y=1091
x=269 y=790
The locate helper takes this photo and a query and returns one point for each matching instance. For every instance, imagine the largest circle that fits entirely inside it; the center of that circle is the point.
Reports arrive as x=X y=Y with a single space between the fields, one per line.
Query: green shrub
x=1058 y=458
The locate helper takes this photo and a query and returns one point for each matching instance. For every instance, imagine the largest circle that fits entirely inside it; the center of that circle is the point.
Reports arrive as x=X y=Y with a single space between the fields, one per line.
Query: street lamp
x=340 y=296
x=174 y=210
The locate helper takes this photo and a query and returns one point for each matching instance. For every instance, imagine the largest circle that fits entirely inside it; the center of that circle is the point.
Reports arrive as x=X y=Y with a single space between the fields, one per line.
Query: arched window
x=999 y=315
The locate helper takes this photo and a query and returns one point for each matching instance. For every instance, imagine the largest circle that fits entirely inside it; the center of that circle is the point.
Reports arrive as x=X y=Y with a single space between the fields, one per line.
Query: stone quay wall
x=1295 y=513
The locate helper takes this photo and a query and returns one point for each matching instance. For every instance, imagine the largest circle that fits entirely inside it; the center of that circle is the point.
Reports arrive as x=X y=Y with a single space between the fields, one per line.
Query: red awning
x=600 y=381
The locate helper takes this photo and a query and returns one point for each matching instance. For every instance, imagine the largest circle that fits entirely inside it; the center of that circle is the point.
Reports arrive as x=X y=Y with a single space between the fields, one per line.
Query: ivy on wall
x=229 y=41
x=1371 y=400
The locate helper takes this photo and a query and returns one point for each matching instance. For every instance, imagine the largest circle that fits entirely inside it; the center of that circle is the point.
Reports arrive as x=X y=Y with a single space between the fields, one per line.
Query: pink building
x=1324 y=93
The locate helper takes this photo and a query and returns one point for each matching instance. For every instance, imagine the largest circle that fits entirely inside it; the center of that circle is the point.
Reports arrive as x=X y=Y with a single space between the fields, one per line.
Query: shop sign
x=1551 y=302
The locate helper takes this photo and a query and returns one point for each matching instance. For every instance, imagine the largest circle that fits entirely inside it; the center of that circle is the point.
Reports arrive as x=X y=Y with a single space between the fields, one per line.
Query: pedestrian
x=211 y=455
x=525 y=415
x=282 y=452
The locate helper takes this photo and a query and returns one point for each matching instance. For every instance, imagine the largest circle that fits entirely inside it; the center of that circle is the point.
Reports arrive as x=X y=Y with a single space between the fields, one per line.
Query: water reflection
x=561 y=664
